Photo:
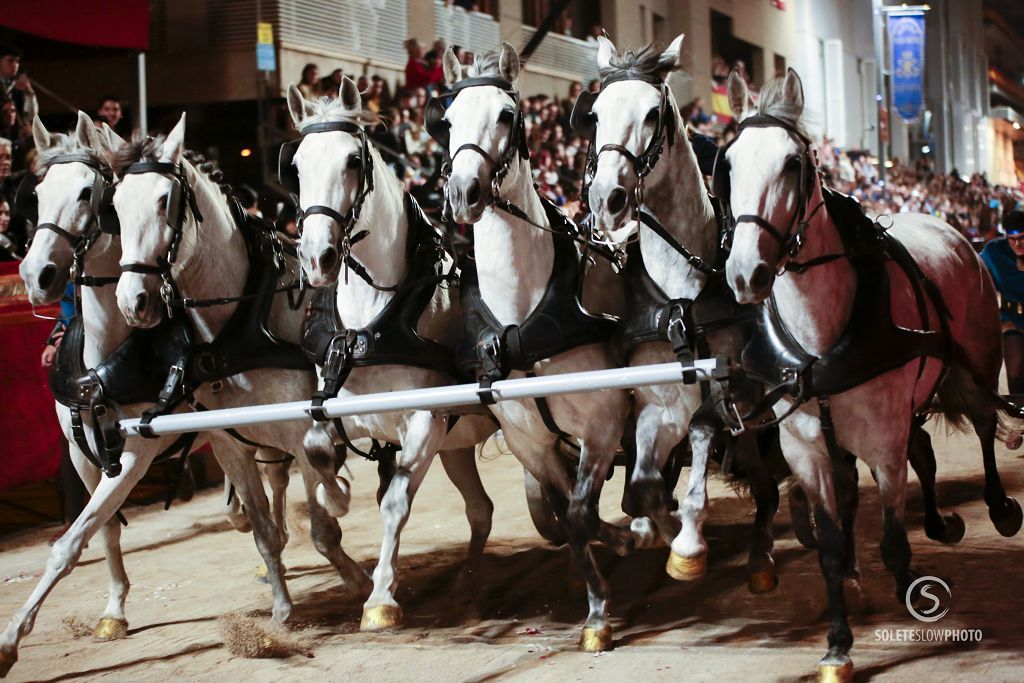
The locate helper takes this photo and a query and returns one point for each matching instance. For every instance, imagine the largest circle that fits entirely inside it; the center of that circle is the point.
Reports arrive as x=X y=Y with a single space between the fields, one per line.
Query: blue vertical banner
x=906 y=52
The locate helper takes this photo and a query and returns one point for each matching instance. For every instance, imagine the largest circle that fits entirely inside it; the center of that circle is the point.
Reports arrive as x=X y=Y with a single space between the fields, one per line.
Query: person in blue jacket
x=1004 y=257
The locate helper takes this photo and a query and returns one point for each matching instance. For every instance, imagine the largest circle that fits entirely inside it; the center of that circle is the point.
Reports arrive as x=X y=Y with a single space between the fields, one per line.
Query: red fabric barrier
x=105 y=23
x=29 y=431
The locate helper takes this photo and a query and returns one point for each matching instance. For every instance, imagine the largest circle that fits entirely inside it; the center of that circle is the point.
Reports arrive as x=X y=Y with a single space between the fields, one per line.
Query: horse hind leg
x=1004 y=511
x=460 y=466
x=945 y=529
x=276 y=466
x=762 y=576
x=234 y=509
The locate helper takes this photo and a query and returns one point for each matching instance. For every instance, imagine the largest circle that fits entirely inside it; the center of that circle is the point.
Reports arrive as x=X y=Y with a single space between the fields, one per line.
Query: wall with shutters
x=473 y=31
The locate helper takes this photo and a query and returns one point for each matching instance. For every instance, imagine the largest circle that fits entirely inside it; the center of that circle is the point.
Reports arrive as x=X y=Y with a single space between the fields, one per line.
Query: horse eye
x=161 y=203
x=652 y=116
x=792 y=164
x=354 y=162
x=85 y=195
x=506 y=116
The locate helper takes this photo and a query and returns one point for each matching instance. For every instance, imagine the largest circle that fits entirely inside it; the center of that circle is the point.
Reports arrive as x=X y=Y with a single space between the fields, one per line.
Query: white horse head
x=766 y=165
x=626 y=115
x=141 y=202
x=482 y=119
x=329 y=165
x=64 y=196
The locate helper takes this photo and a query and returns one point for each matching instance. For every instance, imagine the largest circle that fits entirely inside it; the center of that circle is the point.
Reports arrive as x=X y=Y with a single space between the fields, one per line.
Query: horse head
x=771 y=166
x=63 y=204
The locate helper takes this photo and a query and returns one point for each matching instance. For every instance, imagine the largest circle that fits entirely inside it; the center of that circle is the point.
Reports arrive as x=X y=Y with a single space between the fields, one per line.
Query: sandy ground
x=188 y=567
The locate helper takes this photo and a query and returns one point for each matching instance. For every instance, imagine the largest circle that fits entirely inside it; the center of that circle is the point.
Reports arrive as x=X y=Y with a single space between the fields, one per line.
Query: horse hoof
x=1008 y=521
x=380 y=617
x=596 y=639
x=336 y=499
x=835 y=670
x=762 y=582
x=686 y=568
x=7 y=660
x=955 y=529
x=111 y=629
x=1015 y=440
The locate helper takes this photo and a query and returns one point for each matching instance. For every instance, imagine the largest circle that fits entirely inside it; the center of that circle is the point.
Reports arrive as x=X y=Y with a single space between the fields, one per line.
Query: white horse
x=64 y=202
x=335 y=169
x=775 y=196
x=644 y=165
x=515 y=258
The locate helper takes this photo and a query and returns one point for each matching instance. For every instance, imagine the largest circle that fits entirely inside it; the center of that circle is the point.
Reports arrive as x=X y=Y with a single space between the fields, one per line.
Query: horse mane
x=645 y=63
x=333 y=109
x=485 y=64
x=147 y=148
x=66 y=144
x=773 y=102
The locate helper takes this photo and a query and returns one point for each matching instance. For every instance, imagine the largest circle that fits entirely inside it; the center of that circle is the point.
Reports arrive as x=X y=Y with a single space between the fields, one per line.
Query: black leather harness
x=167 y=363
x=391 y=338
x=872 y=343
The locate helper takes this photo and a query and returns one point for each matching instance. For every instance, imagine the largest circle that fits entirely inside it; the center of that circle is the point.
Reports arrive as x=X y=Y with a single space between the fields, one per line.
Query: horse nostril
x=328 y=259
x=47 y=276
x=140 y=303
x=760 y=278
x=740 y=284
x=616 y=200
x=473 y=193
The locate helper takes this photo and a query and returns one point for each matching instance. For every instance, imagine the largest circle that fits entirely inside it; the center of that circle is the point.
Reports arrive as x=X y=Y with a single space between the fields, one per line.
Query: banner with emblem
x=906 y=53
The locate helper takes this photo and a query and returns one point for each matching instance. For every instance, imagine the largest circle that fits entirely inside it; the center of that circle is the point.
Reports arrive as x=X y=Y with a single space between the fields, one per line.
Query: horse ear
x=40 y=135
x=674 y=54
x=739 y=94
x=452 y=67
x=298 y=107
x=174 y=145
x=508 y=63
x=349 y=94
x=85 y=131
x=110 y=142
x=793 y=90
x=605 y=52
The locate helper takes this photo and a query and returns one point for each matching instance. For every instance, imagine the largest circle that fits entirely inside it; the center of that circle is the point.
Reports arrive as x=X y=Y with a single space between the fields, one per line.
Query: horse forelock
x=330 y=109
x=66 y=144
x=485 y=64
x=773 y=102
x=650 y=61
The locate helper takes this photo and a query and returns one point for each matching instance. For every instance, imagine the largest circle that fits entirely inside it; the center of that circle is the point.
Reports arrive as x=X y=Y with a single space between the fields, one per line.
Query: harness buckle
x=736 y=431
x=167 y=296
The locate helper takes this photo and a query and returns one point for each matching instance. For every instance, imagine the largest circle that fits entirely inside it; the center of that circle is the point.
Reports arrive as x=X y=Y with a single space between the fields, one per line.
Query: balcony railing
x=371 y=29
x=564 y=55
x=474 y=31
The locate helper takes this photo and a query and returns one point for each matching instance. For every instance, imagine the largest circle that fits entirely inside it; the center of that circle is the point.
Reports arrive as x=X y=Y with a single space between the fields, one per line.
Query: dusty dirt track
x=188 y=567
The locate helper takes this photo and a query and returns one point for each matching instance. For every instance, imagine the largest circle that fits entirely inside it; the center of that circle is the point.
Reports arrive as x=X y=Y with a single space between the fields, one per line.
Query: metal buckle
x=736 y=431
x=216 y=386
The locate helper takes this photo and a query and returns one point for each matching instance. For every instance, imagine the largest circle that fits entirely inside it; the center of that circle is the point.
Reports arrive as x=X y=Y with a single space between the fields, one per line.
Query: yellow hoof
x=380 y=617
x=6 y=662
x=762 y=582
x=836 y=673
x=686 y=568
x=111 y=629
x=596 y=640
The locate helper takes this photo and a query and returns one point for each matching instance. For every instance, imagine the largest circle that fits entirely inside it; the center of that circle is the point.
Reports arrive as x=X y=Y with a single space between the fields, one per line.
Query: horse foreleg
x=656 y=435
x=332 y=492
x=105 y=501
x=761 y=574
x=688 y=559
x=460 y=465
x=277 y=466
x=112 y=623
x=425 y=433
x=895 y=548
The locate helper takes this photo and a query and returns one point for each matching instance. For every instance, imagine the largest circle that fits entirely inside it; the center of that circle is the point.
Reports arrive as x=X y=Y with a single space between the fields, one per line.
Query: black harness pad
x=649 y=309
x=557 y=324
x=246 y=343
x=391 y=337
x=872 y=343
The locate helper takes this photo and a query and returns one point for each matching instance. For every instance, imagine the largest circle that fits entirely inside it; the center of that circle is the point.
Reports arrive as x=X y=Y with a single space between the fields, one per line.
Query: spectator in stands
x=594 y=86
x=418 y=73
x=595 y=32
x=287 y=221
x=362 y=83
x=110 y=111
x=11 y=245
x=377 y=98
x=248 y=199
x=16 y=85
x=13 y=129
x=330 y=86
x=309 y=84
x=7 y=182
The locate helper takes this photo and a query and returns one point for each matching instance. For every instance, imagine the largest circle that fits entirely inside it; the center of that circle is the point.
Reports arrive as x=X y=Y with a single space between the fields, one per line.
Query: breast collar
x=558 y=322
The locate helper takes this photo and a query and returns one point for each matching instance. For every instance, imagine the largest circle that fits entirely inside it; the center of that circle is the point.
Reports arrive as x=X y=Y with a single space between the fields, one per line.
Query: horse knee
x=648 y=491
x=319 y=448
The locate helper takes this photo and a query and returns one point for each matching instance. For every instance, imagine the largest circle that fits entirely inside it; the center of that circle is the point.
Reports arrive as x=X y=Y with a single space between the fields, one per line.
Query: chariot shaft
x=436 y=398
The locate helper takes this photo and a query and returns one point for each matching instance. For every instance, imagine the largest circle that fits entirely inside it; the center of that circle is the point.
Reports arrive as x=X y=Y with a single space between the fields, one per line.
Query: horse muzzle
x=468 y=198
x=139 y=301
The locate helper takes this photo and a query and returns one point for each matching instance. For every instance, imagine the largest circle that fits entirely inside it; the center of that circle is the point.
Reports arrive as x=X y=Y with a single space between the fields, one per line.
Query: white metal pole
x=433 y=398
x=143 y=118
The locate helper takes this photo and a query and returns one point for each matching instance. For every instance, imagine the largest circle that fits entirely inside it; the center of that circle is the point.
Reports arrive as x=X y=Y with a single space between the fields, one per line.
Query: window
x=580 y=19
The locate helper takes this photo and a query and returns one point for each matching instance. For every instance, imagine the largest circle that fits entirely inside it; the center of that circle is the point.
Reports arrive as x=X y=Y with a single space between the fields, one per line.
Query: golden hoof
x=6 y=662
x=380 y=617
x=762 y=582
x=111 y=629
x=596 y=640
x=686 y=568
x=836 y=673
